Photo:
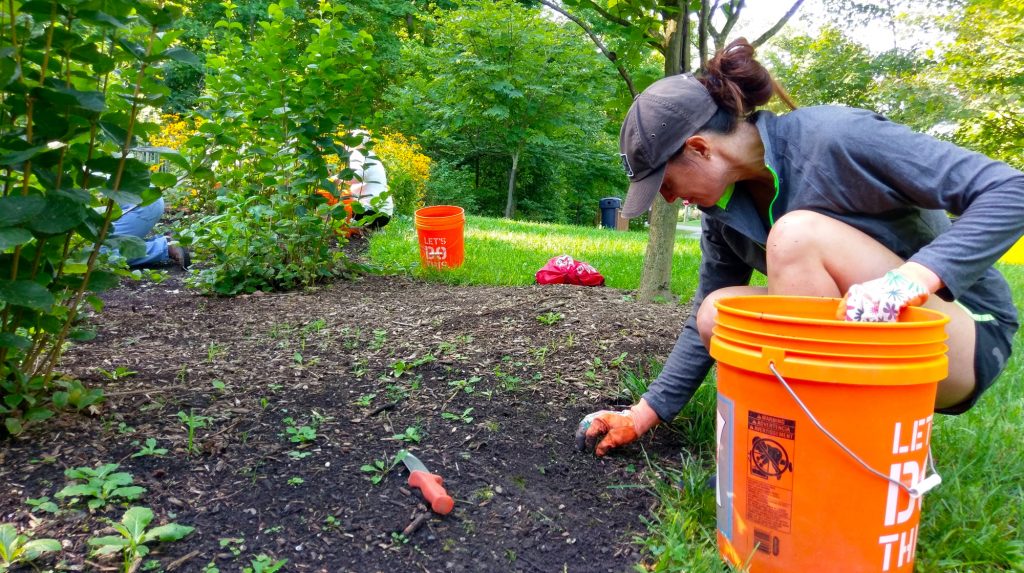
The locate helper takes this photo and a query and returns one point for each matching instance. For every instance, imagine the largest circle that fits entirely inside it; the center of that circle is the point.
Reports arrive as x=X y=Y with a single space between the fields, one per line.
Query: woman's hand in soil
x=881 y=300
x=610 y=429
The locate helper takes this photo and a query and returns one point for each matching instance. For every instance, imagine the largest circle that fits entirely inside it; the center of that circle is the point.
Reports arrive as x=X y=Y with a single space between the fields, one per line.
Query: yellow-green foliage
x=408 y=170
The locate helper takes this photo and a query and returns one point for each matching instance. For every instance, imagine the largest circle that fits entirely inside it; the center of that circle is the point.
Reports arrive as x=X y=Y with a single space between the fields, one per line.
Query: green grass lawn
x=973 y=522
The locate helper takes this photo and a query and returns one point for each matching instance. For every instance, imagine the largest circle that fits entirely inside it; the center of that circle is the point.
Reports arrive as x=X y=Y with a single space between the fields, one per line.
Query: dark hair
x=738 y=83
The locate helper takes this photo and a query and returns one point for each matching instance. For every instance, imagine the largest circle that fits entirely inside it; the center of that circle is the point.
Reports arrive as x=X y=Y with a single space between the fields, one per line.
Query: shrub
x=408 y=170
x=69 y=117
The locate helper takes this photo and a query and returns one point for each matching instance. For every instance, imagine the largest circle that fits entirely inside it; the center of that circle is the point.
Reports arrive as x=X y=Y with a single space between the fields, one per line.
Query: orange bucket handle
x=915 y=490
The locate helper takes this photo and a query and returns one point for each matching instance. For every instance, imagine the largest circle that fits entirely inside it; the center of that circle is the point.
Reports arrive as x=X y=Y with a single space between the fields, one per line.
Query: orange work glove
x=614 y=429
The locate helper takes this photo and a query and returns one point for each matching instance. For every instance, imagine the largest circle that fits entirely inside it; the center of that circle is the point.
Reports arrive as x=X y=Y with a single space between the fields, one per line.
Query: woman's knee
x=796 y=235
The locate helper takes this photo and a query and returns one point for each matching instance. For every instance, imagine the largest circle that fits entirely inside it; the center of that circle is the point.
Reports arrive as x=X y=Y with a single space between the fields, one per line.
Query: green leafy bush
x=73 y=77
x=268 y=140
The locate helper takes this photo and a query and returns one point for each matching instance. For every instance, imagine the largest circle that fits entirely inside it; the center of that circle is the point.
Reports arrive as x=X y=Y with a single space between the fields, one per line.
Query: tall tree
x=986 y=64
x=501 y=81
x=671 y=29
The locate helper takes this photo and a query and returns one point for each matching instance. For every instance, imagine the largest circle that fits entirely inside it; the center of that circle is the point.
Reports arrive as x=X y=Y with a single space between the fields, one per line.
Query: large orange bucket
x=823 y=434
x=440 y=232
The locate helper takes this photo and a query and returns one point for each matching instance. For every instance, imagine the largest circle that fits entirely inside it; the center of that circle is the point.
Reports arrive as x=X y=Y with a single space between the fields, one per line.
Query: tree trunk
x=661 y=239
x=510 y=204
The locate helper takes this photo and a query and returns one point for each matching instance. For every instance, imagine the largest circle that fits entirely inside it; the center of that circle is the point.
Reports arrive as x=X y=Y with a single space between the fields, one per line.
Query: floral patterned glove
x=881 y=300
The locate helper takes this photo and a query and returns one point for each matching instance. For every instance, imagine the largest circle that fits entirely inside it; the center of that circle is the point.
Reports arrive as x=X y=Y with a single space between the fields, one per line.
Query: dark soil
x=352 y=360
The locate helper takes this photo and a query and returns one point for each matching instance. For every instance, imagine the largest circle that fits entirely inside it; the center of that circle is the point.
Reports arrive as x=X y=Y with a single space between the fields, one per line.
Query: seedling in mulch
x=618 y=360
x=396 y=392
x=412 y=434
x=297 y=455
x=281 y=330
x=359 y=368
x=42 y=504
x=380 y=468
x=193 y=422
x=118 y=373
x=400 y=367
x=149 y=449
x=331 y=522
x=219 y=385
x=182 y=375
x=74 y=394
x=464 y=417
x=274 y=529
x=16 y=548
x=508 y=381
x=296 y=481
x=399 y=538
x=550 y=318
x=467 y=386
x=464 y=338
x=131 y=542
x=264 y=564
x=591 y=373
x=102 y=485
x=351 y=340
x=365 y=400
x=236 y=545
x=211 y=567
x=380 y=338
x=213 y=351
x=264 y=402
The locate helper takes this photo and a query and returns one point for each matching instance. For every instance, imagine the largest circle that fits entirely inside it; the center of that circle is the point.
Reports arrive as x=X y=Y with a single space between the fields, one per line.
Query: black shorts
x=992 y=345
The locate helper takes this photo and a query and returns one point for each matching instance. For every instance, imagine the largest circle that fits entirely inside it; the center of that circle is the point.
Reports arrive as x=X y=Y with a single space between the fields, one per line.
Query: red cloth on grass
x=565 y=269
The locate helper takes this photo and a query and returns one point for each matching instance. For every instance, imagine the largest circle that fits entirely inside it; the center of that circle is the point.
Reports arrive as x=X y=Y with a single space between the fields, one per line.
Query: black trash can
x=610 y=211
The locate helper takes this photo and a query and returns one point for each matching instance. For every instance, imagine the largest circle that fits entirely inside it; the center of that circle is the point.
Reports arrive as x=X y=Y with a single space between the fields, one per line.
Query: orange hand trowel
x=431 y=485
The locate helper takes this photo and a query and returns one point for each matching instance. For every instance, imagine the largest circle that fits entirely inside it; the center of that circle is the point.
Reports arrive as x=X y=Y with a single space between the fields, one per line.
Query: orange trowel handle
x=433 y=491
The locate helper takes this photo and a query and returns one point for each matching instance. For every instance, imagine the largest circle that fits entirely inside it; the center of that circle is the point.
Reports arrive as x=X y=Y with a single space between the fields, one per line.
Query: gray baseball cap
x=657 y=125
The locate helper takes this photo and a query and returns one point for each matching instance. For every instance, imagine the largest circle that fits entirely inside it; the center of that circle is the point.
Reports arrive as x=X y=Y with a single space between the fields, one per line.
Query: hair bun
x=736 y=81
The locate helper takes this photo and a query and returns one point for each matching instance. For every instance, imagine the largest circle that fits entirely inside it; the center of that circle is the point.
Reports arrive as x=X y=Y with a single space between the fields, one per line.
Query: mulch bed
x=352 y=361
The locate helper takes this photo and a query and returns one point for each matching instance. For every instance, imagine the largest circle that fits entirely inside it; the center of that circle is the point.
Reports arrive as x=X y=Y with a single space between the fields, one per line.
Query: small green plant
x=549 y=318
x=399 y=537
x=192 y=422
x=400 y=367
x=380 y=468
x=219 y=385
x=300 y=434
x=133 y=536
x=331 y=522
x=264 y=564
x=16 y=548
x=464 y=417
x=618 y=360
x=102 y=485
x=412 y=434
x=73 y=393
x=468 y=386
x=236 y=545
x=365 y=400
x=296 y=481
x=297 y=455
x=118 y=373
x=380 y=338
x=42 y=504
x=149 y=449
x=213 y=351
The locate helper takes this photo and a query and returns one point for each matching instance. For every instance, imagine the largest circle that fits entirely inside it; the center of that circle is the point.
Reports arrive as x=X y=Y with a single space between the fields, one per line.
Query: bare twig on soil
x=416 y=524
x=382 y=407
x=178 y=562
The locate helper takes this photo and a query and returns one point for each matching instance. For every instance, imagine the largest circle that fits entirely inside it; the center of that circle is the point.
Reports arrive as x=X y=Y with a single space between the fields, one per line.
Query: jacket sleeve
x=689 y=361
x=985 y=195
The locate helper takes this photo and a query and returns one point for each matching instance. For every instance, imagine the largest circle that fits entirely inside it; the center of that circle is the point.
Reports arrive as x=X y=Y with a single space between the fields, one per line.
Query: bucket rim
x=938 y=318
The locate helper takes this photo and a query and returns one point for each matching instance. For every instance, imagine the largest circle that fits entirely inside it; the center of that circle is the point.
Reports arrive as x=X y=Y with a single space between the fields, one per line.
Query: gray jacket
x=881 y=178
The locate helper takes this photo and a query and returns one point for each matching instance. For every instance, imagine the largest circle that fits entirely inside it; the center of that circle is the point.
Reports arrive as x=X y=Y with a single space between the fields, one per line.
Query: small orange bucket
x=823 y=434
x=440 y=232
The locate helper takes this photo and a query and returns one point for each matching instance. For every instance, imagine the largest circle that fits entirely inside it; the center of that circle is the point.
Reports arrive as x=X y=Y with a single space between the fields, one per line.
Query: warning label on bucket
x=771 y=447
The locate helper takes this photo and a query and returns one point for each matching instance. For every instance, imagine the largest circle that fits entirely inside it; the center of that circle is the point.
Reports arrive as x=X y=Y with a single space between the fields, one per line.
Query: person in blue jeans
x=138 y=221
